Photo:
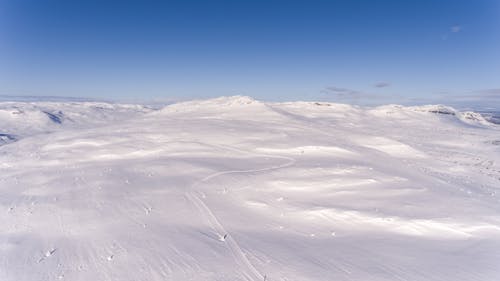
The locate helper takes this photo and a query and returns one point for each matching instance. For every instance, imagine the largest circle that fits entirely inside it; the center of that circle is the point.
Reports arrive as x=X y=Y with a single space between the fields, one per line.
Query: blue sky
x=349 y=51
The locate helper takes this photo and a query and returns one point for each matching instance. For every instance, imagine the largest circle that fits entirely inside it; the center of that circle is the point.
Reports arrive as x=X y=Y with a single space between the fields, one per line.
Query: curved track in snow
x=248 y=270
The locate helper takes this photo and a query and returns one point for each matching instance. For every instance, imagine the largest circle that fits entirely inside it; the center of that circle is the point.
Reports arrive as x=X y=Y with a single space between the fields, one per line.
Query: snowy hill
x=237 y=189
x=30 y=118
x=235 y=107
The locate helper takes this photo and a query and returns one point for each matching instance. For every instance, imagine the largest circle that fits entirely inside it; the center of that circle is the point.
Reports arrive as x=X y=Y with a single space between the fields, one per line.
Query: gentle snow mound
x=233 y=107
x=231 y=101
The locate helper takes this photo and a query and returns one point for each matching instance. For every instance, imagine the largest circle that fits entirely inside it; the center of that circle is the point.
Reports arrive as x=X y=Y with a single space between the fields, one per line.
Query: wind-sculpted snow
x=492 y=116
x=30 y=118
x=6 y=138
x=238 y=189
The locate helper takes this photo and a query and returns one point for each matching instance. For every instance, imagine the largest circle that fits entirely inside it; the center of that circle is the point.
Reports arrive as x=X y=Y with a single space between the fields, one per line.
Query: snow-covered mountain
x=237 y=189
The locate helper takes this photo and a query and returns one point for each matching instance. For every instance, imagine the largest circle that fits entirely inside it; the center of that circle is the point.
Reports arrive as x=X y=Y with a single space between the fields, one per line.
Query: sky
x=367 y=52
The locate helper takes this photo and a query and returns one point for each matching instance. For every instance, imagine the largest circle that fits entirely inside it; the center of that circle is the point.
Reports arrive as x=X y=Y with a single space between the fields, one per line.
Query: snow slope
x=237 y=189
x=31 y=118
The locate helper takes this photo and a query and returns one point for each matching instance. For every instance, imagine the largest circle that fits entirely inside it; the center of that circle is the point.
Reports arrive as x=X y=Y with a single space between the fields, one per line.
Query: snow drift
x=237 y=189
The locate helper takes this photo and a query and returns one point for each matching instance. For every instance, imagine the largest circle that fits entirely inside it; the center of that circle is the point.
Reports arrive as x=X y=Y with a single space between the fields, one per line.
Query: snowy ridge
x=218 y=103
x=236 y=189
x=234 y=107
x=434 y=108
x=466 y=117
x=30 y=118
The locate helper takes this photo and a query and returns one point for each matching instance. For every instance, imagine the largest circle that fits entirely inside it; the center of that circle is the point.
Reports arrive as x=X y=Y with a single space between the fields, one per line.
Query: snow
x=30 y=118
x=238 y=189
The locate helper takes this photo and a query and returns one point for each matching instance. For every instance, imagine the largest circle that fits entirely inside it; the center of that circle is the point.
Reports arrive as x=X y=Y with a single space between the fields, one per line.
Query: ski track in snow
x=251 y=273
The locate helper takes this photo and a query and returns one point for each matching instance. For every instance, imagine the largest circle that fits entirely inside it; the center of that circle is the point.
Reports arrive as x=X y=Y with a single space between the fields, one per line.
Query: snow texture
x=236 y=189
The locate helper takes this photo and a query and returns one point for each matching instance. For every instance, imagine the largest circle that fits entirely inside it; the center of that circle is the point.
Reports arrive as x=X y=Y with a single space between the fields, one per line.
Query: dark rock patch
x=7 y=138
x=56 y=117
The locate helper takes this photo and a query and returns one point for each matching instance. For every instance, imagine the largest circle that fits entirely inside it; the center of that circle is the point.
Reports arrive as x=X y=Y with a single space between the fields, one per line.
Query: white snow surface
x=237 y=189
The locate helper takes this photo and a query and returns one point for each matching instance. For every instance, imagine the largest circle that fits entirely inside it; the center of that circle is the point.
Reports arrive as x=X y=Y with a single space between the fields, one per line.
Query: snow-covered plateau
x=234 y=189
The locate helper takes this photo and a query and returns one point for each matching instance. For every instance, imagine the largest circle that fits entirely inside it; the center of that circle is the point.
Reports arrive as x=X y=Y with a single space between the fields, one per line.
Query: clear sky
x=350 y=50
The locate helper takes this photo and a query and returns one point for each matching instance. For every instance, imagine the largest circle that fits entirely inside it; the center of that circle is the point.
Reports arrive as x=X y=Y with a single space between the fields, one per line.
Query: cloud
x=337 y=89
x=382 y=84
x=352 y=96
x=455 y=28
x=346 y=94
x=341 y=92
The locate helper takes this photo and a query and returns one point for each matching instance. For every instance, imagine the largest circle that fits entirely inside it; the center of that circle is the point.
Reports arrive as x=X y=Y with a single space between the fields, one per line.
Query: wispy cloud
x=341 y=92
x=382 y=84
x=455 y=28
x=352 y=96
